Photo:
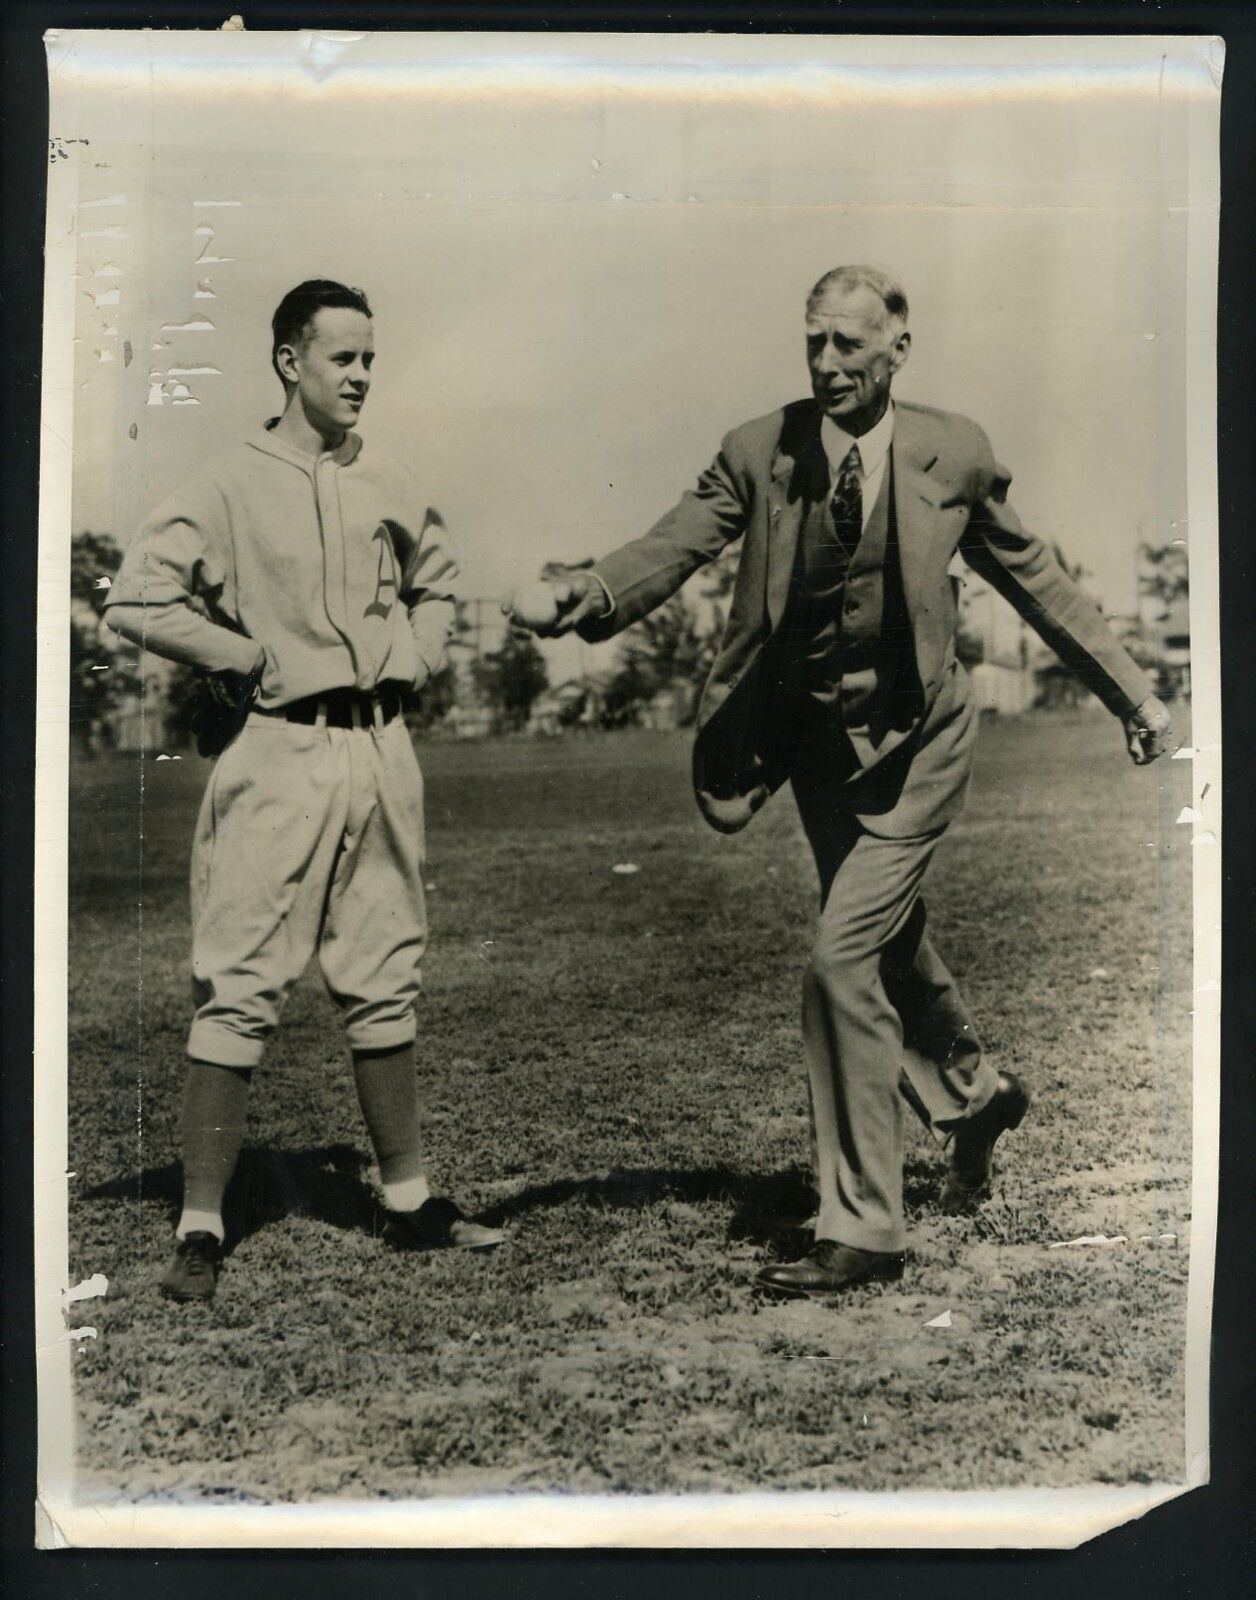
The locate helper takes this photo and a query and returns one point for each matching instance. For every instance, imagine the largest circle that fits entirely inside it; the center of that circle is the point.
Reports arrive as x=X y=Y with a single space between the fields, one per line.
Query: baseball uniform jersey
x=310 y=835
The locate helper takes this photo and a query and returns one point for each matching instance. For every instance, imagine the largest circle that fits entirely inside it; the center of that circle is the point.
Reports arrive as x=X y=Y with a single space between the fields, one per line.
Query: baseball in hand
x=535 y=605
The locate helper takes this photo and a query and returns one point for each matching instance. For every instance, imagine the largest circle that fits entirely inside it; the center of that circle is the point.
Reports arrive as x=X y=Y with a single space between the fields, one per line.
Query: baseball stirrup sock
x=388 y=1092
x=215 y=1102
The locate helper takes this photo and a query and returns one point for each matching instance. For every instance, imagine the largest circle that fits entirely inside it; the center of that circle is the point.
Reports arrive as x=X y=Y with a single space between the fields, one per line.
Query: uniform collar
x=873 y=447
x=266 y=440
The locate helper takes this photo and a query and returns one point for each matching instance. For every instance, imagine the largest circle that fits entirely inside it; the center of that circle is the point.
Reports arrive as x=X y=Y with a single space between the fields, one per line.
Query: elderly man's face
x=854 y=348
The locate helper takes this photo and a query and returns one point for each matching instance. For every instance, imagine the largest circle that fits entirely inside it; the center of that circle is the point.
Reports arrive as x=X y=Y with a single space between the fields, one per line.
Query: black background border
x=1200 y=1544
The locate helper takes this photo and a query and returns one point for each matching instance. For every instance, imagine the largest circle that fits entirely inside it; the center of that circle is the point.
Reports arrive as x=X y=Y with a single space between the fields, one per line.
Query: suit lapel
x=916 y=498
x=800 y=477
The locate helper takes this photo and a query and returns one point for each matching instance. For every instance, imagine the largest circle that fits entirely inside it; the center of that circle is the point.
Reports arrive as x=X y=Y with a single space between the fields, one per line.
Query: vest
x=831 y=645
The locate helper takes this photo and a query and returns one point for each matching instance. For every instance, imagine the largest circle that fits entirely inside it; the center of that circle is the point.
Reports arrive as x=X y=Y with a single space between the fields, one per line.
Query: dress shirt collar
x=873 y=447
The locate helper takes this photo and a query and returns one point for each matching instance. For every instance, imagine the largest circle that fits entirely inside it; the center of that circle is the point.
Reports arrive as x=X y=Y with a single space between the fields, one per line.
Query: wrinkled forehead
x=340 y=328
x=859 y=310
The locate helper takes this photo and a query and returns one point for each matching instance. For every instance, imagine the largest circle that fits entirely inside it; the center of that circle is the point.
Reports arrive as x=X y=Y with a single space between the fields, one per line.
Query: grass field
x=611 y=1065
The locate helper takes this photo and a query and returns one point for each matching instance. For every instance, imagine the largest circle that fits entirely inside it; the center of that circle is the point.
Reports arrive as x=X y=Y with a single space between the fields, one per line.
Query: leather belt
x=344 y=708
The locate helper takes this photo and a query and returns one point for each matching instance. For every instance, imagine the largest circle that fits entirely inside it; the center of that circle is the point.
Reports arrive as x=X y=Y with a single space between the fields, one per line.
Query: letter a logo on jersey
x=386 y=576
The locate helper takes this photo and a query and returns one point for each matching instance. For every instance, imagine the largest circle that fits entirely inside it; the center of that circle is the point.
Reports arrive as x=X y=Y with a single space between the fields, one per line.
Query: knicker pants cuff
x=389 y=1035
x=221 y=1047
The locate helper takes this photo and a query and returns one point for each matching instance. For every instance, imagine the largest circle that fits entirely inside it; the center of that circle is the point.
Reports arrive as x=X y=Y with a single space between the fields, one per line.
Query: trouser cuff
x=862 y=1236
x=986 y=1084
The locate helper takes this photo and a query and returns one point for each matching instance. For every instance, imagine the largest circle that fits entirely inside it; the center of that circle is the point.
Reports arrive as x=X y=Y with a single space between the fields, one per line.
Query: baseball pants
x=309 y=840
x=884 y=1023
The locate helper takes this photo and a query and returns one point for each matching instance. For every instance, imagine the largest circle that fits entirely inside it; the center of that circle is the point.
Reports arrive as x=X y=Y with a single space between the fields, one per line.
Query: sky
x=586 y=269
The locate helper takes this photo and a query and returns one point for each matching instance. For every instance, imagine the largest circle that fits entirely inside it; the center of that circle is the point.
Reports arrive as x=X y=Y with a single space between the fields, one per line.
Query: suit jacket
x=949 y=495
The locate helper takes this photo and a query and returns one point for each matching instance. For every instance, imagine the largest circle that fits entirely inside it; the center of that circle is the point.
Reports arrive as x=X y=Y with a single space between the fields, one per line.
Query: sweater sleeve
x=171 y=577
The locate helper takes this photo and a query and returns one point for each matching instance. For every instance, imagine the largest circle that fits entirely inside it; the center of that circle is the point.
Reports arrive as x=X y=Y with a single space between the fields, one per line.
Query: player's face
x=332 y=368
x=854 y=348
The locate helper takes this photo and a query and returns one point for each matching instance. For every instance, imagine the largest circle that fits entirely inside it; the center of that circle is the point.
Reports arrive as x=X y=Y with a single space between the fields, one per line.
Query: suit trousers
x=883 y=1021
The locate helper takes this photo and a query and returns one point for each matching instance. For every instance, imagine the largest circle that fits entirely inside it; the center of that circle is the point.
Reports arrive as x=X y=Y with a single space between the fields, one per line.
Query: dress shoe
x=829 y=1268
x=972 y=1146
x=193 y=1272
x=438 y=1224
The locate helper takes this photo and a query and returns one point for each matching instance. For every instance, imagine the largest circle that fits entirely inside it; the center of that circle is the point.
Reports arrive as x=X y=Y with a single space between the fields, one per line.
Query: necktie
x=847 y=503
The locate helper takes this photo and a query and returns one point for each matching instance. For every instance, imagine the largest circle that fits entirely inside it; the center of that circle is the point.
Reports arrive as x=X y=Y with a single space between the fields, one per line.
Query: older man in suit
x=838 y=672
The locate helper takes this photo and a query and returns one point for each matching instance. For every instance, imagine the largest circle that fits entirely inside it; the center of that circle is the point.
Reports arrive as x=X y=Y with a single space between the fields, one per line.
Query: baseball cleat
x=193 y=1271
x=438 y=1224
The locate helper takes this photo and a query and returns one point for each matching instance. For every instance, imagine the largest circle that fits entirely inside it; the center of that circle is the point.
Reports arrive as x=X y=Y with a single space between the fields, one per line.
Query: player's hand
x=562 y=599
x=228 y=691
x=221 y=705
x=1149 y=731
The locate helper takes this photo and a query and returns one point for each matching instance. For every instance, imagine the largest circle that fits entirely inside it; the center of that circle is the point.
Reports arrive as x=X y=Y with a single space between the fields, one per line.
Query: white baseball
x=535 y=605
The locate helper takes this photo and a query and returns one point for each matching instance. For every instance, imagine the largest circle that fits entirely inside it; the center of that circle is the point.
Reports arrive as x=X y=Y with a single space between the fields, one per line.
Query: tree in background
x=438 y=696
x=970 y=647
x=670 y=650
x=93 y=556
x=434 y=701
x=1057 y=687
x=1164 y=603
x=99 y=677
x=509 y=680
x=623 y=692
x=180 y=697
x=1163 y=572
x=720 y=581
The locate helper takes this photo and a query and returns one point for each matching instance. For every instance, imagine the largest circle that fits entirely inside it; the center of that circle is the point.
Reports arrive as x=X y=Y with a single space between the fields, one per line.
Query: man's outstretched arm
x=602 y=600
x=1023 y=569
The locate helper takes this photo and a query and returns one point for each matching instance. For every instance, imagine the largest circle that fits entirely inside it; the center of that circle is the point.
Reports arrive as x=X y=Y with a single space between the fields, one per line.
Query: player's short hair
x=301 y=305
x=881 y=283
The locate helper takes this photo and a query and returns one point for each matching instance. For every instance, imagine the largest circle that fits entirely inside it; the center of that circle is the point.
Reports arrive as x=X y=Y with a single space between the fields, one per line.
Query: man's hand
x=563 y=599
x=1149 y=731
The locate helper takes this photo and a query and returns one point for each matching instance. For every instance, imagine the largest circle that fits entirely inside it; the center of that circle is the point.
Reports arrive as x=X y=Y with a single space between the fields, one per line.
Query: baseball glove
x=222 y=703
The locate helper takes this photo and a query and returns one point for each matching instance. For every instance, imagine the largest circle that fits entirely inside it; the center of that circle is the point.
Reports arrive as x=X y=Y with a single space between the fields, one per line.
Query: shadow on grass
x=327 y=1184
x=269 y=1185
x=769 y=1207
x=635 y=1188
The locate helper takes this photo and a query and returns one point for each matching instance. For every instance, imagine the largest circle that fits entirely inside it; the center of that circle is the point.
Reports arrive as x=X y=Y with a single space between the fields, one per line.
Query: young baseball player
x=311 y=584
